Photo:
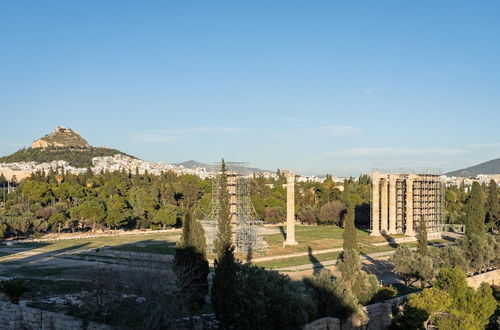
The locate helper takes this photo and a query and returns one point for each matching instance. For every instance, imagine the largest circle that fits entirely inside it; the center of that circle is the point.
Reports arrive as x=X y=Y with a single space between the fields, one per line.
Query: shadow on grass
x=317 y=265
x=380 y=268
x=282 y=231
x=390 y=240
x=147 y=246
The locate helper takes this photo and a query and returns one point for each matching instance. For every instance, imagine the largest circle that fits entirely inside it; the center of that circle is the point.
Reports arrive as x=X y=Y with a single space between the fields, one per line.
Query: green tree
x=89 y=213
x=166 y=215
x=332 y=298
x=363 y=285
x=493 y=206
x=474 y=211
x=223 y=242
x=449 y=304
x=422 y=248
x=224 y=293
x=224 y=288
x=36 y=191
x=268 y=300
x=350 y=234
x=57 y=220
x=479 y=250
x=405 y=261
x=117 y=211
x=191 y=265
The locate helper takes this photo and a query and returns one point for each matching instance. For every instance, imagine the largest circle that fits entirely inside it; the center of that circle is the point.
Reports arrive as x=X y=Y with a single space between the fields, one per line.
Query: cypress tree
x=223 y=242
x=191 y=265
x=350 y=235
x=474 y=211
x=492 y=205
x=422 y=248
x=224 y=289
x=364 y=286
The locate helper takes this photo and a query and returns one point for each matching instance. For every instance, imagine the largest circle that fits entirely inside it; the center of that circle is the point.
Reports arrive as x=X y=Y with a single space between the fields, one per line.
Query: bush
x=332 y=213
x=308 y=216
x=15 y=288
x=385 y=293
x=332 y=298
x=274 y=214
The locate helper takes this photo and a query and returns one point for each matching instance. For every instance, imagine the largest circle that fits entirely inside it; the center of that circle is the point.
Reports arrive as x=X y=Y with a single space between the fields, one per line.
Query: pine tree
x=223 y=242
x=422 y=248
x=474 y=211
x=191 y=265
x=492 y=205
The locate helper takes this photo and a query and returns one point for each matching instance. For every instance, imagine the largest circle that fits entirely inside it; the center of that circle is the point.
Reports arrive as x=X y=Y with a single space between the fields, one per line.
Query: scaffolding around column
x=425 y=200
x=247 y=228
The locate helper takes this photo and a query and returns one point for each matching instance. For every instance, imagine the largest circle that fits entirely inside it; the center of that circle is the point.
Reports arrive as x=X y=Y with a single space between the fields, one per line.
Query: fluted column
x=290 y=208
x=375 y=206
x=384 y=221
x=409 y=207
x=392 y=205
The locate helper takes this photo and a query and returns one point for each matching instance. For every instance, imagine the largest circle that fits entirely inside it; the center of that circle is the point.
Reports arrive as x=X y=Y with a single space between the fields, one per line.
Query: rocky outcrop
x=61 y=137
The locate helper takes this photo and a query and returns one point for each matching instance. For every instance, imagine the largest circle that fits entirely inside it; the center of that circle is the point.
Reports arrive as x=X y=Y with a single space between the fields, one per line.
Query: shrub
x=332 y=213
x=14 y=289
x=332 y=298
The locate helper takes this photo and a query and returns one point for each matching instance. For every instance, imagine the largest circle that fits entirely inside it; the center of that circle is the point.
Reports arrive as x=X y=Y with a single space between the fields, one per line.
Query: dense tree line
x=462 y=204
x=57 y=202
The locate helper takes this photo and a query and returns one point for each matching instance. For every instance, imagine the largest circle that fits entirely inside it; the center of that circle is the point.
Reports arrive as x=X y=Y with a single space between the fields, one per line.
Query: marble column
x=384 y=221
x=409 y=207
x=290 y=208
x=375 y=206
x=392 y=205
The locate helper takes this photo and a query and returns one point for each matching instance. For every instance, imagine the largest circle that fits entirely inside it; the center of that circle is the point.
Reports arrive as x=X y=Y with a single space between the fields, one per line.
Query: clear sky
x=315 y=86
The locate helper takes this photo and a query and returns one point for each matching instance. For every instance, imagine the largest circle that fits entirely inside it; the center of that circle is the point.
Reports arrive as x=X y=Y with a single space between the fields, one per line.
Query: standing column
x=290 y=208
x=384 y=221
x=375 y=206
x=392 y=205
x=409 y=207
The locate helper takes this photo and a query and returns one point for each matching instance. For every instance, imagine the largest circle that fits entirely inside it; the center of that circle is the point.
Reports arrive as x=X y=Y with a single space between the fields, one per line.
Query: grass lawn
x=364 y=249
x=158 y=248
x=59 y=272
x=316 y=238
x=95 y=242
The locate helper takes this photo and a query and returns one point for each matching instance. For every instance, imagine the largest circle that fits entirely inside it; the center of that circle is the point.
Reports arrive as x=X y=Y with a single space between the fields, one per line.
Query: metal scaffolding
x=425 y=200
x=247 y=228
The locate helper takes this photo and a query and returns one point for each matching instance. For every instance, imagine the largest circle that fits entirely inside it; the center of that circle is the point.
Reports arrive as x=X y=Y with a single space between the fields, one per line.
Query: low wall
x=14 y=317
x=491 y=277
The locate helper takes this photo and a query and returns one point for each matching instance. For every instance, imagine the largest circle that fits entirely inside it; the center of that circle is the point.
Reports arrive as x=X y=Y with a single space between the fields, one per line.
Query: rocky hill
x=62 y=144
x=489 y=167
x=60 y=138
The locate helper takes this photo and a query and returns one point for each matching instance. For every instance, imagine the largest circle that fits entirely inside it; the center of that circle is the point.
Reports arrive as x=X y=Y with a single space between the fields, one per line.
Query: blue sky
x=315 y=86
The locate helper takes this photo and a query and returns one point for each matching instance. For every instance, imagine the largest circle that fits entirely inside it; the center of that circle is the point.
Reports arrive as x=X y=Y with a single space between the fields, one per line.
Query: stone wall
x=14 y=317
x=491 y=277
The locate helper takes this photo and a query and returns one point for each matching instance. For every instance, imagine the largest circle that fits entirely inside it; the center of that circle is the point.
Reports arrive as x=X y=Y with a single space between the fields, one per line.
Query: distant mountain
x=489 y=167
x=237 y=167
x=62 y=144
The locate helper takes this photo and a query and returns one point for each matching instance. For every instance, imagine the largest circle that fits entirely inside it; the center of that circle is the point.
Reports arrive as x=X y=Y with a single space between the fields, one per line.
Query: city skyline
x=329 y=88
